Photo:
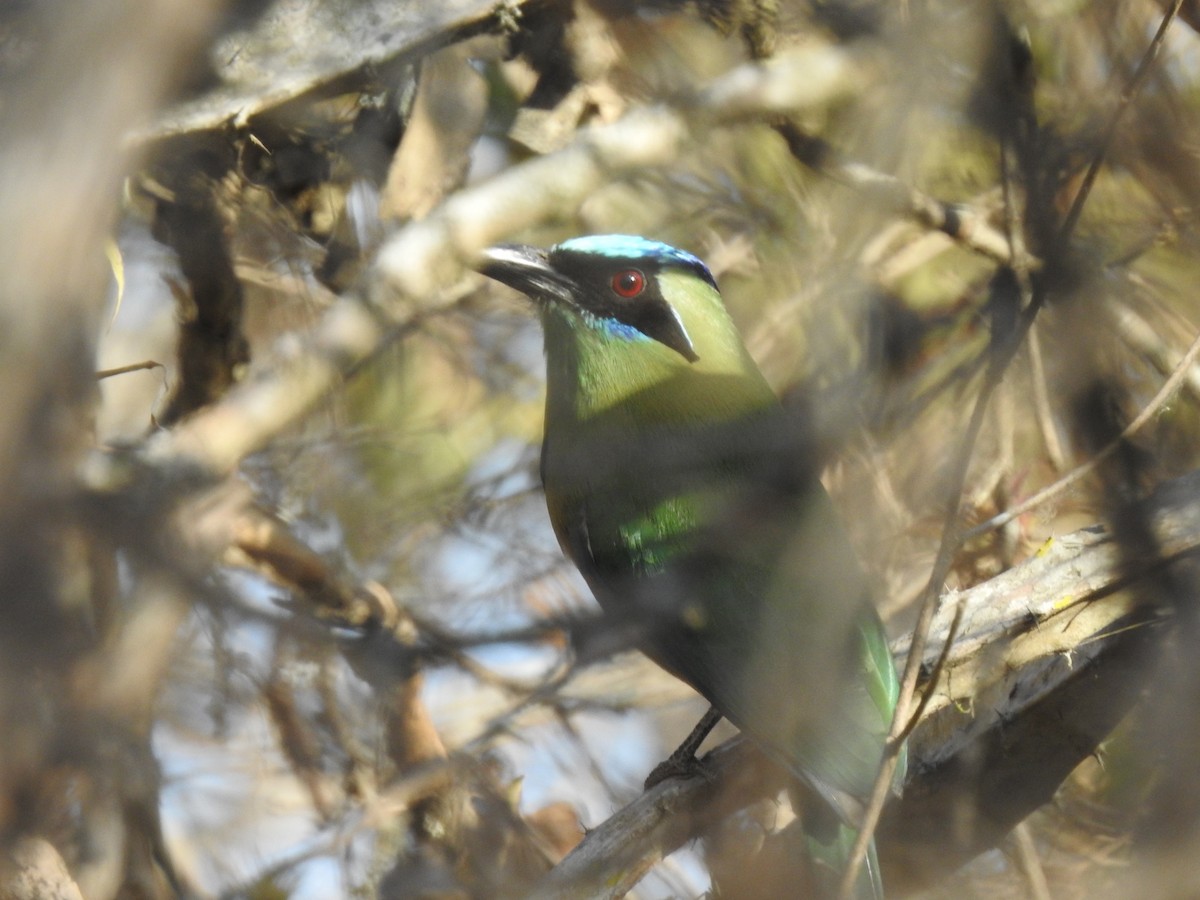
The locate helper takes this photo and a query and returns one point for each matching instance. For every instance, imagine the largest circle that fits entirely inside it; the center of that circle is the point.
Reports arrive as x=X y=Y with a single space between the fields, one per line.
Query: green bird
x=670 y=484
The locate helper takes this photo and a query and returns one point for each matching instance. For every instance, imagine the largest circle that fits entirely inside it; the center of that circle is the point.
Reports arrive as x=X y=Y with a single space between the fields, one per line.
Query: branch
x=427 y=255
x=614 y=856
x=34 y=870
x=1049 y=656
x=304 y=50
x=964 y=224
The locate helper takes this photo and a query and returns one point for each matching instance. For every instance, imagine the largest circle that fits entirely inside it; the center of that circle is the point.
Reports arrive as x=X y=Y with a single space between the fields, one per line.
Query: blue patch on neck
x=620 y=330
x=630 y=246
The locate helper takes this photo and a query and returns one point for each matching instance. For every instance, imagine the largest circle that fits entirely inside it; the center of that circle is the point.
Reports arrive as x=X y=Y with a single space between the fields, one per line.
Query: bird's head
x=624 y=314
x=625 y=288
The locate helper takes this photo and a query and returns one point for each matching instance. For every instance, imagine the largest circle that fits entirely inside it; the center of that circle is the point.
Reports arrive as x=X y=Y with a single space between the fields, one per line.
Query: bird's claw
x=677 y=765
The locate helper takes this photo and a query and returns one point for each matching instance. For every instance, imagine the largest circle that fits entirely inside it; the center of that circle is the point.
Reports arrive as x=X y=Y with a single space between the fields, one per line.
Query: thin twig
x=1030 y=863
x=1148 y=340
x=132 y=367
x=930 y=602
x=546 y=694
x=1041 y=404
x=966 y=225
x=1170 y=387
x=935 y=675
x=1127 y=96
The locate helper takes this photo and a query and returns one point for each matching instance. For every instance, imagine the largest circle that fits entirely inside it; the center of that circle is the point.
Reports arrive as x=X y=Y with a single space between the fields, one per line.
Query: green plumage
x=731 y=567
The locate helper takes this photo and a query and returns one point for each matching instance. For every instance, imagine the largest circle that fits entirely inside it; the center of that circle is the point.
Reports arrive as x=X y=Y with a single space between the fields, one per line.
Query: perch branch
x=1046 y=660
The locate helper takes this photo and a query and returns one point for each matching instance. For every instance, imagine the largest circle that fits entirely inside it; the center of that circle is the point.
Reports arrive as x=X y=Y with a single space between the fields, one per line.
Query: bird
x=674 y=484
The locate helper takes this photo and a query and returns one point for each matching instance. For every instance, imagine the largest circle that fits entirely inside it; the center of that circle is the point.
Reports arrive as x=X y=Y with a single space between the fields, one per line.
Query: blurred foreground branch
x=419 y=264
x=415 y=268
x=105 y=577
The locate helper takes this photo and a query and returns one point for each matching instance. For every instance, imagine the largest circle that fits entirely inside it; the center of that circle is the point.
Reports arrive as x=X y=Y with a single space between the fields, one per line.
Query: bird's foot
x=683 y=762
x=677 y=765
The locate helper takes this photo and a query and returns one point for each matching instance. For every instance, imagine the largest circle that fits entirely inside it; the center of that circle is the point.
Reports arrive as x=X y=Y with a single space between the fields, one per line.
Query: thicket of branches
x=281 y=613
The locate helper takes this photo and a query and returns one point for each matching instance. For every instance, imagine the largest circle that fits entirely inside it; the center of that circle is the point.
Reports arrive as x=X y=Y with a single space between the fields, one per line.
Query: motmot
x=671 y=484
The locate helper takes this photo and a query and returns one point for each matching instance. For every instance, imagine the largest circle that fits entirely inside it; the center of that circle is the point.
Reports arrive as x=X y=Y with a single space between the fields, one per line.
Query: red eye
x=628 y=283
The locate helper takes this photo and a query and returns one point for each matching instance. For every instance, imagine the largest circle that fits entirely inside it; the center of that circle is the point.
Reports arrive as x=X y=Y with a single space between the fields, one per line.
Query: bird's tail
x=830 y=852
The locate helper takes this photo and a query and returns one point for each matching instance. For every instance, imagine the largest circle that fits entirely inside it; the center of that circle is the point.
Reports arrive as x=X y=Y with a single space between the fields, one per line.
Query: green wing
x=754 y=597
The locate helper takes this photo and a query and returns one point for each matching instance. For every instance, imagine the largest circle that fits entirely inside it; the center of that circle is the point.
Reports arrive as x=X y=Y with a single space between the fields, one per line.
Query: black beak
x=527 y=269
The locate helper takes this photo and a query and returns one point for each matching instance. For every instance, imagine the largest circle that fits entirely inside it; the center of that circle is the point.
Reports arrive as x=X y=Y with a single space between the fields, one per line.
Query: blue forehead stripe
x=626 y=246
